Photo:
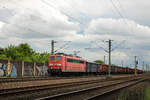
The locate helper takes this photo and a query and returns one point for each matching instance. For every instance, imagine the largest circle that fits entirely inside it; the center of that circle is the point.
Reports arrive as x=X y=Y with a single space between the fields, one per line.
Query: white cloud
x=41 y=22
x=117 y=27
x=59 y=20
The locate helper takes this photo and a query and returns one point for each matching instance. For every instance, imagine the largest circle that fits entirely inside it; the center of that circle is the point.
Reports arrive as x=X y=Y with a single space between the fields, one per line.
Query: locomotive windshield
x=58 y=58
x=52 y=58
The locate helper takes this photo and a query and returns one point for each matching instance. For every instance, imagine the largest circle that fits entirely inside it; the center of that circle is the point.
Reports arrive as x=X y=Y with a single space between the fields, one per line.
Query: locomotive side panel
x=75 y=65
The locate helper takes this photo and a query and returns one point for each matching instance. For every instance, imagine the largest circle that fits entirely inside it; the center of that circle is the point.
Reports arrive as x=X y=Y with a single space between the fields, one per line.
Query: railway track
x=59 y=88
x=107 y=92
x=24 y=79
x=43 y=87
x=94 y=92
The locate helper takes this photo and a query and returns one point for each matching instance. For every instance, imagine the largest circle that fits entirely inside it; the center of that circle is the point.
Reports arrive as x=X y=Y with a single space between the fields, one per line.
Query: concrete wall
x=21 y=68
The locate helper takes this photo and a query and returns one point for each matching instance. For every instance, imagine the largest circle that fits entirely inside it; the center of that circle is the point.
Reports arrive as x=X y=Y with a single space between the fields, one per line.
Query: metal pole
x=146 y=68
x=22 y=68
x=122 y=63
x=143 y=67
x=104 y=59
x=109 y=71
x=43 y=69
x=135 y=65
x=34 y=72
x=52 y=47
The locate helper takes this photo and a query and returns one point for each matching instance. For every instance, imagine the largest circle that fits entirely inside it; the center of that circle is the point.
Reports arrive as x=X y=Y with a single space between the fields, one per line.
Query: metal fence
x=21 y=68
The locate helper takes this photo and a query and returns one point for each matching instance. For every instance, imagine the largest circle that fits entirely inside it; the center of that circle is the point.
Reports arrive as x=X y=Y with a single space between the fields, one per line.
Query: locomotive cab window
x=69 y=60
x=58 y=58
x=52 y=58
x=81 y=62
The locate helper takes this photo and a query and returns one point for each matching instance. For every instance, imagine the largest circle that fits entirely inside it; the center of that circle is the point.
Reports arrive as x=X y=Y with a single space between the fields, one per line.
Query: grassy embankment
x=147 y=93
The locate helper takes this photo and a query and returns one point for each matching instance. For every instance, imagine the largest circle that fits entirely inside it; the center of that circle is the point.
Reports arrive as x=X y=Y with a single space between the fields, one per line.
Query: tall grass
x=147 y=93
x=137 y=92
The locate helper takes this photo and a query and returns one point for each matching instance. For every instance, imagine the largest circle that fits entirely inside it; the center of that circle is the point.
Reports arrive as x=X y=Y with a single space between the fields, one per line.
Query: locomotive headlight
x=50 y=64
x=58 y=64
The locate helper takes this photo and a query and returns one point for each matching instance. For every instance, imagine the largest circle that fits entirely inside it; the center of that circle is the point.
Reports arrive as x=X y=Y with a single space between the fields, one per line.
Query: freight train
x=60 y=64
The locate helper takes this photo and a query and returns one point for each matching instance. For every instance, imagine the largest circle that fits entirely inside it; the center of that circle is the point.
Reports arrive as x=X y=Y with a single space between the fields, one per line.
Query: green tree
x=40 y=57
x=113 y=65
x=3 y=56
x=35 y=57
x=44 y=57
x=99 y=61
x=1 y=51
x=23 y=52
x=11 y=52
x=25 y=49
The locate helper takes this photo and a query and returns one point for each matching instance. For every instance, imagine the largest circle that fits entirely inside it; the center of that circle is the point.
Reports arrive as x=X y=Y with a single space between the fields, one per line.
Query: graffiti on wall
x=14 y=69
x=8 y=70
x=37 y=71
x=2 y=70
x=28 y=70
x=41 y=70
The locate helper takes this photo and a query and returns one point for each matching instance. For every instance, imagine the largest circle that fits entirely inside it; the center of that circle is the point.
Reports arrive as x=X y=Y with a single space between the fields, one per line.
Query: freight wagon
x=103 y=69
x=92 y=68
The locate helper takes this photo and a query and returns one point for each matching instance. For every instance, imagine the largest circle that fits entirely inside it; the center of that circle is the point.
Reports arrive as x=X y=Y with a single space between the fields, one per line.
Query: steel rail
x=84 y=90
x=52 y=86
x=24 y=79
x=114 y=90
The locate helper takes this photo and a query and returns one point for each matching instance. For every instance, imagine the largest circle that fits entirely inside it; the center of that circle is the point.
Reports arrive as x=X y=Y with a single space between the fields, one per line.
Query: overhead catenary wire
x=118 y=45
x=48 y=4
x=121 y=7
x=101 y=47
x=118 y=11
x=63 y=46
x=30 y=29
x=80 y=13
x=25 y=28
x=123 y=16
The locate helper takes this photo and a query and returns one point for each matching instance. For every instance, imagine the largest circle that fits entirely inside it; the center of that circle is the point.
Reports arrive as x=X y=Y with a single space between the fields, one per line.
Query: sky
x=83 y=26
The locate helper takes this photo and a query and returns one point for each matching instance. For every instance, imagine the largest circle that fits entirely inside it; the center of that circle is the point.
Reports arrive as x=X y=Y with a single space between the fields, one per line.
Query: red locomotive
x=61 y=63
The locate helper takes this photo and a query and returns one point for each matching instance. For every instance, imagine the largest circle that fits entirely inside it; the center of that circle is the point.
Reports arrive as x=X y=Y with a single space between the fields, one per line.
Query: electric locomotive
x=60 y=64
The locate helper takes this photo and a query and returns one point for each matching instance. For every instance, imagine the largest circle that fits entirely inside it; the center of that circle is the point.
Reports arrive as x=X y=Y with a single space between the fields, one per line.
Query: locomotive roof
x=70 y=56
x=63 y=54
